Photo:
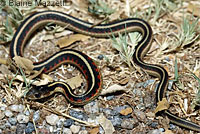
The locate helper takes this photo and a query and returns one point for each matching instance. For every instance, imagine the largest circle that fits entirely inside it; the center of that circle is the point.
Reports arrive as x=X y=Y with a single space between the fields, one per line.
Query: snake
x=84 y=63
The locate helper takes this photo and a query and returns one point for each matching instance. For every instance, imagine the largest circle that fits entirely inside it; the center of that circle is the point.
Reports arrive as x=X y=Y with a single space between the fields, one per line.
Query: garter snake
x=84 y=63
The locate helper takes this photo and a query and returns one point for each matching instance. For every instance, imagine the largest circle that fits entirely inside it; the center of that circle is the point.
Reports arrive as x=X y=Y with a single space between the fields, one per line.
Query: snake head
x=38 y=92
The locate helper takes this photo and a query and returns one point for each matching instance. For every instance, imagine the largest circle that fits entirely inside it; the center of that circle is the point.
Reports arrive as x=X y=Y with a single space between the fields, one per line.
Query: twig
x=61 y=114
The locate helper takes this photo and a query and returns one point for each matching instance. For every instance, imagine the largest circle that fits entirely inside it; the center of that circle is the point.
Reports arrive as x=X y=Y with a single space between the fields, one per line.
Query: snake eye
x=37 y=95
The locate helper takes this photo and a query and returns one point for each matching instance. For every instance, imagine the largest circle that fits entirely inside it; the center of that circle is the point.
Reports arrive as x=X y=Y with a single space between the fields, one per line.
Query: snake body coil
x=84 y=63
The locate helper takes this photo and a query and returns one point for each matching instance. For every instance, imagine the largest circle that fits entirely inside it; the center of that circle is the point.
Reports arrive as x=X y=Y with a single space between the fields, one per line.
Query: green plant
x=125 y=47
x=98 y=7
x=161 y=7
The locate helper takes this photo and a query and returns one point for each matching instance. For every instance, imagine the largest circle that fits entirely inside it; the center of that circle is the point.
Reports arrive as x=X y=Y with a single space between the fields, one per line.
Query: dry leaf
x=3 y=61
x=106 y=124
x=94 y=130
x=194 y=9
x=36 y=74
x=4 y=69
x=162 y=105
x=124 y=81
x=48 y=37
x=113 y=88
x=24 y=63
x=75 y=81
x=126 y=111
x=66 y=41
x=44 y=76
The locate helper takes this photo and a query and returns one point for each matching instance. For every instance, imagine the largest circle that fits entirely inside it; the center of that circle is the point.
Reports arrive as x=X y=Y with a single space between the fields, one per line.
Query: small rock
x=110 y=97
x=13 y=129
x=67 y=131
x=14 y=108
x=92 y=107
x=78 y=114
x=36 y=115
x=4 y=100
x=120 y=108
x=52 y=119
x=129 y=123
x=116 y=120
x=51 y=129
x=21 y=118
x=8 y=113
x=43 y=131
x=21 y=108
x=68 y=122
x=27 y=112
x=75 y=129
x=29 y=128
x=154 y=124
x=20 y=129
x=2 y=108
x=83 y=132
x=2 y=123
x=140 y=115
x=108 y=111
x=60 y=123
x=100 y=56
x=155 y=131
x=170 y=84
x=13 y=121
x=7 y=124
x=2 y=115
x=172 y=126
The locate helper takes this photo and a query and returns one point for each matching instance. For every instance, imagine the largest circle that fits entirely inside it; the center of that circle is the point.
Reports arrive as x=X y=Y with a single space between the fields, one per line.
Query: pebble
x=51 y=129
x=60 y=123
x=92 y=107
x=108 y=111
x=68 y=122
x=2 y=115
x=13 y=121
x=116 y=120
x=21 y=118
x=36 y=115
x=27 y=112
x=171 y=82
x=140 y=115
x=172 y=126
x=4 y=100
x=8 y=113
x=67 y=131
x=145 y=84
x=154 y=124
x=43 y=131
x=120 y=108
x=78 y=114
x=7 y=124
x=2 y=108
x=110 y=97
x=100 y=56
x=29 y=128
x=52 y=119
x=83 y=132
x=2 y=123
x=17 y=108
x=155 y=131
x=75 y=129
x=20 y=128
x=129 y=123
